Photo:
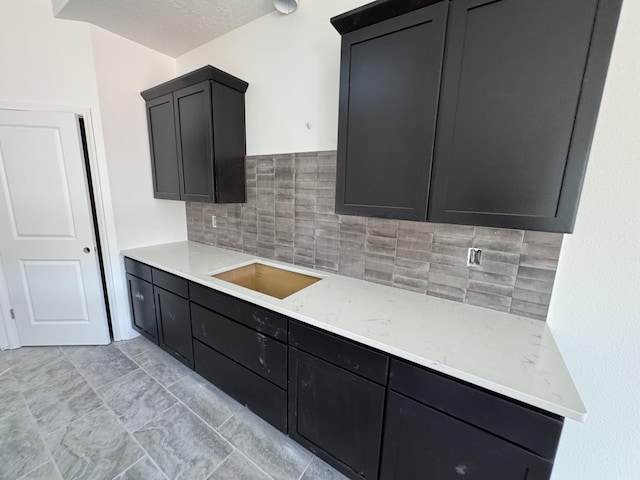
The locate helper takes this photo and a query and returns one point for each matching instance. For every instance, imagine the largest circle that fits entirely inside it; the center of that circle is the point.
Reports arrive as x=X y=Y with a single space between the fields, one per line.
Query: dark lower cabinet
x=369 y=415
x=335 y=414
x=261 y=396
x=143 y=313
x=421 y=442
x=174 y=320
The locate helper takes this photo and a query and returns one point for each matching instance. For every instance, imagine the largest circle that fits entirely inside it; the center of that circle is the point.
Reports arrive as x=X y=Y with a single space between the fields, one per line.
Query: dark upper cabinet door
x=174 y=320
x=389 y=86
x=194 y=133
x=143 y=314
x=335 y=414
x=521 y=87
x=229 y=144
x=164 y=154
x=421 y=442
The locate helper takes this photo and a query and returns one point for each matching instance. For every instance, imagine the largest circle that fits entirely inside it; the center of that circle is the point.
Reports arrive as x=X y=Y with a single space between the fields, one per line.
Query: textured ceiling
x=169 y=26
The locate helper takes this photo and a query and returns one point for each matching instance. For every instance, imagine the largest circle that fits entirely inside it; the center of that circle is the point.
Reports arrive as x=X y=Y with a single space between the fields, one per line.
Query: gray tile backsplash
x=290 y=216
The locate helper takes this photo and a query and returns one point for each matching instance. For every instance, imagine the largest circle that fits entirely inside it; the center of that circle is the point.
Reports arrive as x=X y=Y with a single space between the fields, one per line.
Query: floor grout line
x=307 y=467
x=42 y=439
x=130 y=435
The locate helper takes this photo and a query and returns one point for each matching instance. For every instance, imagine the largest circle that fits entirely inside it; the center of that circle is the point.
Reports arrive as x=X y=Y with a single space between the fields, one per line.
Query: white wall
x=60 y=64
x=123 y=69
x=292 y=64
x=595 y=309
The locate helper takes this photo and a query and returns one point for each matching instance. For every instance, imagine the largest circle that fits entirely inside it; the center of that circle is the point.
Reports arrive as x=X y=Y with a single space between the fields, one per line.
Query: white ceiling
x=169 y=26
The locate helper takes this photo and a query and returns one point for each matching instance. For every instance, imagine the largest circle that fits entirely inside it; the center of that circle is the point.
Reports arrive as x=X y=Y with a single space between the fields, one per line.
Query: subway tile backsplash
x=290 y=216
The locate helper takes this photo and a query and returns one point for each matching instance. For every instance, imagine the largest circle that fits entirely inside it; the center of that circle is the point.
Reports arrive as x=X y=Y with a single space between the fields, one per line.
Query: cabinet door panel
x=512 y=83
x=335 y=414
x=164 y=155
x=172 y=312
x=389 y=85
x=195 y=141
x=423 y=443
x=143 y=314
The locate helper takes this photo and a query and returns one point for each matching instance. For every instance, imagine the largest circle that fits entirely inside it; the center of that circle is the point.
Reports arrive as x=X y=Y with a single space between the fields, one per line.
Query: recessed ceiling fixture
x=285 y=6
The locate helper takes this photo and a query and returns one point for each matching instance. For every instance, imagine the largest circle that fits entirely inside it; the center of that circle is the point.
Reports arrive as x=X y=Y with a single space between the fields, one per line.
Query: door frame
x=105 y=227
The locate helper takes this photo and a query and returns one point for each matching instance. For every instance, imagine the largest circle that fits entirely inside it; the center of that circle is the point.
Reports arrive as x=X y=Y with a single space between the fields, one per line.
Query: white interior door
x=47 y=242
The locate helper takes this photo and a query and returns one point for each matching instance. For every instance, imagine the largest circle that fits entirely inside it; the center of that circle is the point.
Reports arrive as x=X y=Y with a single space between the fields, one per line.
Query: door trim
x=112 y=263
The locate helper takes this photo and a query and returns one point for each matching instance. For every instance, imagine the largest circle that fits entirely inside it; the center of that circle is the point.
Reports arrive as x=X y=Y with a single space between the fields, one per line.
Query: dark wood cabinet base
x=363 y=411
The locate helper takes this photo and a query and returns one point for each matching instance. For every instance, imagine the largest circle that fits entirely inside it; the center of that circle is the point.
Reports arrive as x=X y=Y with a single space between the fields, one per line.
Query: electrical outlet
x=213 y=221
x=473 y=257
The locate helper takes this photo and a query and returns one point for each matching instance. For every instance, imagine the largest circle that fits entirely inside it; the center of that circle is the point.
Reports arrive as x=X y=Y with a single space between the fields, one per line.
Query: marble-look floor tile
x=143 y=469
x=319 y=470
x=162 y=366
x=136 y=398
x=238 y=467
x=207 y=401
x=4 y=365
x=36 y=366
x=95 y=447
x=100 y=364
x=45 y=472
x=61 y=401
x=10 y=399
x=273 y=451
x=134 y=347
x=182 y=445
x=21 y=447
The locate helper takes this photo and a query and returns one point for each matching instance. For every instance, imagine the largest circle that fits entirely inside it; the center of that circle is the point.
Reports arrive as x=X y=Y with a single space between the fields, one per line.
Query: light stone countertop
x=514 y=356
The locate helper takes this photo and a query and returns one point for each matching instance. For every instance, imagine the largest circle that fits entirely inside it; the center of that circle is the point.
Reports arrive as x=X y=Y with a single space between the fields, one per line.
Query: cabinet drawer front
x=253 y=350
x=138 y=269
x=170 y=282
x=517 y=423
x=421 y=442
x=143 y=314
x=341 y=352
x=261 y=396
x=336 y=414
x=260 y=319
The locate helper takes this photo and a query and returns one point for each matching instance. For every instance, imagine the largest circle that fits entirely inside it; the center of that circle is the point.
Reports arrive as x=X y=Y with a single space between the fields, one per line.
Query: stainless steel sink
x=268 y=279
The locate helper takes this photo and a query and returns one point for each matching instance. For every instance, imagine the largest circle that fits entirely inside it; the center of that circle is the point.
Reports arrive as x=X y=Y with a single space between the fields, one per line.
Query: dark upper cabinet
x=164 y=153
x=389 y=84
x=197 y=137
x=520 y=93
x=514 y=111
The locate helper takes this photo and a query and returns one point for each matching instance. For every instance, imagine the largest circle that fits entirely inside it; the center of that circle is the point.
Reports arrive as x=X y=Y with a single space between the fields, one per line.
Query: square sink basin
x=268 y=279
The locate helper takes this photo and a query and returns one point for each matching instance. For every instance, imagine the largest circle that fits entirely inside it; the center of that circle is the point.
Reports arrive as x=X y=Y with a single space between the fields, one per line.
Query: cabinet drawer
x=525 y=426
x=263 y=355
x=170 y=282
x=259 y=395
x=138 y=269
x=343 y=353
x=260 y=319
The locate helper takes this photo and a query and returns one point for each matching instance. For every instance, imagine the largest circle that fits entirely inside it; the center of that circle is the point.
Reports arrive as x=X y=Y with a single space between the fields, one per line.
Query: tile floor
x=129 y=411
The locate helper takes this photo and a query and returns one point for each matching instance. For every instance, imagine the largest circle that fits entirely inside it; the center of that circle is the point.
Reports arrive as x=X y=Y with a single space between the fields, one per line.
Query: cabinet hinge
x=13 y=315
